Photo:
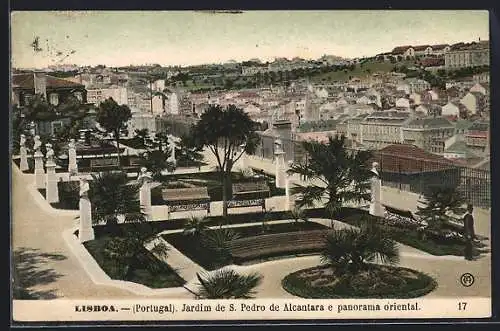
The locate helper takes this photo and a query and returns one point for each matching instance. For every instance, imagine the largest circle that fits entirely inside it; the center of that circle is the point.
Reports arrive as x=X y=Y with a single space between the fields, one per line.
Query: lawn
x=377 y=281
x=410 y=237
x=196 y=251
x=157 y=275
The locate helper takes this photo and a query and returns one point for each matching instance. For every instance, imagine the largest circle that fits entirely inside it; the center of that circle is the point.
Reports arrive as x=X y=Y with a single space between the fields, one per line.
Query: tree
x=218 y=241
x=187 y=152
x=349 y=250
x=224 y=131
x=156 y=161
x=227 y=284
x=113 y=117
x=111 y=196
x=344 y=175
x=440 y=204
x=299 y=214
x=142 y=135
x=195 y=226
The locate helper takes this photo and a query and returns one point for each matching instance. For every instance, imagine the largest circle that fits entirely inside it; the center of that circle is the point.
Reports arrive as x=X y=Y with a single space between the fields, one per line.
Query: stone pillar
x=39 y=171
x=72 y=164
x=51 y=189
x=85 y=231
x=290 y=198
x=145 y=181
x=23 y=164
x=376 y=208
x=171 y=145
x=280 y=165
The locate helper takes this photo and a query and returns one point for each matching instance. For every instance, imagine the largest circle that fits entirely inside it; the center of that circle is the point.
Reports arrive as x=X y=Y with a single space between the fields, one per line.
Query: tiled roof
x=421 y=47
x=400 y=49
x=405 y=158
x=439 y=47
x=26 y=81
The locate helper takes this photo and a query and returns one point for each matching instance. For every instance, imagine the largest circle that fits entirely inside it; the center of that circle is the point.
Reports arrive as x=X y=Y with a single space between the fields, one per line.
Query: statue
x=144 y=177
x=84 y=188
x=50 y=152
x=22 y=141
x=144 y=180
x=72 y=144
x=376 y=185
x=72 y=164
x=37 y=143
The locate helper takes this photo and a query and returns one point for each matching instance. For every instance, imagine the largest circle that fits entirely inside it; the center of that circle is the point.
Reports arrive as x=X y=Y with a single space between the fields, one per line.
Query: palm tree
x=111 y=196
x=195 y=226
x=349 y=251
x=219 y=242
x=299 y=214
x=227 y=284
x=343 y=175
x=441 y=203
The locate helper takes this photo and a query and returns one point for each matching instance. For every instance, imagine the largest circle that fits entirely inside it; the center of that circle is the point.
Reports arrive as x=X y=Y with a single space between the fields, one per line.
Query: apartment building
x=468 y=55
x=428 y=133
x=383 y=128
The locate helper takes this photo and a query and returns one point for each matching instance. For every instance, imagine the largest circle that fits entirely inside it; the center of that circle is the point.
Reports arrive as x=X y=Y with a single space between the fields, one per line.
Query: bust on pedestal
x=85 y=231
x=280 y=164
x=145 y=179
x=23 y=163
x=39 y=171
x=290 y=199
x=72 y=164
x=376 y=208
x=52 y=191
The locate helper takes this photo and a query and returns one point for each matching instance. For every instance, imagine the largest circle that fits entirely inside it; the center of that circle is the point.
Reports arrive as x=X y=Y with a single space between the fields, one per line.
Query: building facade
x=468 y=55
x=383 y=128
x=428 y=133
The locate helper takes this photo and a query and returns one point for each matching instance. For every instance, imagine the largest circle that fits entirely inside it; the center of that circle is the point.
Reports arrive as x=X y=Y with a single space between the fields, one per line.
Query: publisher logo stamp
x=467 y=279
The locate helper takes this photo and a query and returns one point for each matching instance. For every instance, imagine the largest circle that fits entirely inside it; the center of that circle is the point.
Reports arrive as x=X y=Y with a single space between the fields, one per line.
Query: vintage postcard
x=250 y=165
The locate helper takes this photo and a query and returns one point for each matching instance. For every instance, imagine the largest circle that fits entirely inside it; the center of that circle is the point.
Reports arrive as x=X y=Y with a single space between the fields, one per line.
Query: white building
x=98 y=95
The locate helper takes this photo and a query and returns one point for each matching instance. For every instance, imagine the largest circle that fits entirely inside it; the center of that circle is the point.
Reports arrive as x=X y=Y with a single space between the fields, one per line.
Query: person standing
x=469 y=232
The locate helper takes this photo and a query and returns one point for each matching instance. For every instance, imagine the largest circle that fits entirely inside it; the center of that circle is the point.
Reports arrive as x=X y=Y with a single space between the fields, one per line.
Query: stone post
x=23 y=164
x=280 y=164
x=39 y=171
x=85 y=231
x=243 y=158
x=290 y=199
x=171 y=145
x=72 y=164
x=145 y=181
x=51 y=189
x=376 y=208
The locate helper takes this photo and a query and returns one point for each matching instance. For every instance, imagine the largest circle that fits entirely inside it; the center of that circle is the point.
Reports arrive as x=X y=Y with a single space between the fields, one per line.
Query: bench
x=241 y=192
x=103 y=163
x=396 y=216
x=278 y=244
x=186 y=199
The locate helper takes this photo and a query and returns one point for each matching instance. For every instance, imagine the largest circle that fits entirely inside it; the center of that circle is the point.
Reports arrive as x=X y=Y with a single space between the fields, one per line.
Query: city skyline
x=40 y=39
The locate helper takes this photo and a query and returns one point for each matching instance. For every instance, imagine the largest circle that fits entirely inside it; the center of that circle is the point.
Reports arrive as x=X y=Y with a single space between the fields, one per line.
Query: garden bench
x=400 y=217
x=259 y=190
x=103 y=163
x=278 y=243
x=185 y=199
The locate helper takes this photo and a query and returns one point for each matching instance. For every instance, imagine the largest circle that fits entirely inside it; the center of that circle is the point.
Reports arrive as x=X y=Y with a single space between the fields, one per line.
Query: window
x=54 y=99
x=56 y=127
x=27 y=99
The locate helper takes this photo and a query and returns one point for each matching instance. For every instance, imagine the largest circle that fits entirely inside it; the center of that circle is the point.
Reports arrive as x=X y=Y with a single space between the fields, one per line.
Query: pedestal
x=23 y=165
x=72 y=165
x=376 y=208
x=39 y=171
x=52 y=191
x=289 y=202
x=85 y=231
x=280 y=170
x=145 y=201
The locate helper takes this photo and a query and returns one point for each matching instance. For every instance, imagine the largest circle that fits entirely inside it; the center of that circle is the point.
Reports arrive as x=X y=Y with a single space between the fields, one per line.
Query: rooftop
x=430 y=122
x=27 y=81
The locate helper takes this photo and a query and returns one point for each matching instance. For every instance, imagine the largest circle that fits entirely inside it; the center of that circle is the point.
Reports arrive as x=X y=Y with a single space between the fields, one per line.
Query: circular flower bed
x=377 y=281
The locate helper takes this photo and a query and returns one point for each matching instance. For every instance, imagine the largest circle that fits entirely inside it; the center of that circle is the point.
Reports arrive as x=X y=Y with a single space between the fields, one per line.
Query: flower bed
x=376 y=281
x=156 y=274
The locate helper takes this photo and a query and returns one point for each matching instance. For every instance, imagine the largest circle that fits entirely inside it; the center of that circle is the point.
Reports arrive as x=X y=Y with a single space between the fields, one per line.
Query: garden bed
x=431 y=244
x=163 y=275
x=196 y=251
x=377 y=281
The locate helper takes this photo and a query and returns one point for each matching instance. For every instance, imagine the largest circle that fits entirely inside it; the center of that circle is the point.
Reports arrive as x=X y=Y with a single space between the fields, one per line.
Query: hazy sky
x=187 y=37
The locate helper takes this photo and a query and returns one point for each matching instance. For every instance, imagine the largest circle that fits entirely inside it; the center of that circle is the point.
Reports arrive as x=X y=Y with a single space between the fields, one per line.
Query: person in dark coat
x=469 y=233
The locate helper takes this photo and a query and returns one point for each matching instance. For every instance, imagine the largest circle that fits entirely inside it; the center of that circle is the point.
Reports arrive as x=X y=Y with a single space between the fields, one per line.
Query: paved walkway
x=45 y=263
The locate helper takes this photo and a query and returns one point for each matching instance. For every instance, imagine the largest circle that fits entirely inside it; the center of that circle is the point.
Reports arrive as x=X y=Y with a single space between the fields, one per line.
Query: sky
x=115 y=38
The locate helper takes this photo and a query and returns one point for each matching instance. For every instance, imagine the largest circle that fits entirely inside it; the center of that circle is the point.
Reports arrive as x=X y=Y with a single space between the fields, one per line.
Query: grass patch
x=156 y=274
x=431 y=244
x=377 y=281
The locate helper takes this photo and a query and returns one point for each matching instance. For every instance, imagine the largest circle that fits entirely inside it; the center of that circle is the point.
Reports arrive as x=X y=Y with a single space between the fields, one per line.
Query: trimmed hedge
x=379 y=283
